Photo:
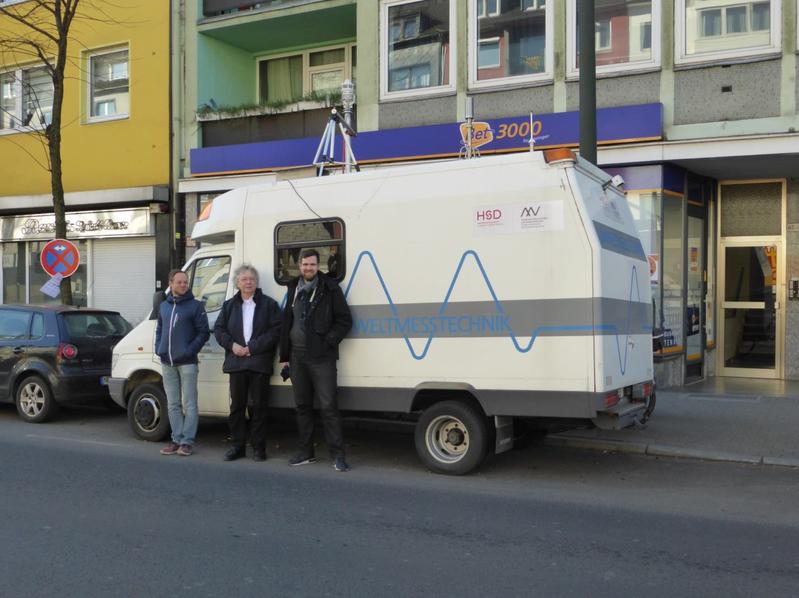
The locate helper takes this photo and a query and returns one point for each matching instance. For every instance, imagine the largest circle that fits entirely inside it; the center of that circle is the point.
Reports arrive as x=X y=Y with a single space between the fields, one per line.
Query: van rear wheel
x=451 y=437
x=147 y=412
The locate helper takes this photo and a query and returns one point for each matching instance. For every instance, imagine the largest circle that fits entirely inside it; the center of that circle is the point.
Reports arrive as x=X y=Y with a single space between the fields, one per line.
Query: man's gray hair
x=245 y=268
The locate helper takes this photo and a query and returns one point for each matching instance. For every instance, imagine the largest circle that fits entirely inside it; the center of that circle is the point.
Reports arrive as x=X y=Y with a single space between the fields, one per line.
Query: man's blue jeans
x=181 y=380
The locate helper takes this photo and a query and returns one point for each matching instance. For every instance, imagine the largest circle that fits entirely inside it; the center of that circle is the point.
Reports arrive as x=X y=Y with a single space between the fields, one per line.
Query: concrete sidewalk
x=721 y=419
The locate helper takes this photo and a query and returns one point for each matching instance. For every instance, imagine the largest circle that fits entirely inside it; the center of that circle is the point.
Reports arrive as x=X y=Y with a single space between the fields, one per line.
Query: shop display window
x=14 y=273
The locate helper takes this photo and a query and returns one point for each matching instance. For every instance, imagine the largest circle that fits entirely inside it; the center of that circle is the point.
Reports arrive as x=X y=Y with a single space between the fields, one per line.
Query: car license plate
x=103 y=380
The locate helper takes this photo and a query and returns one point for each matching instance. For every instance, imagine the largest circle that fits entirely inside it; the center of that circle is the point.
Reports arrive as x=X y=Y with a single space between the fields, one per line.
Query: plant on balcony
x=311 y=101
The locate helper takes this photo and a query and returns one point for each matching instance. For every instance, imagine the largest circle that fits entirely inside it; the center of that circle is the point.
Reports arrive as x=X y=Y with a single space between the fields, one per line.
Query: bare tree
x=43 y=35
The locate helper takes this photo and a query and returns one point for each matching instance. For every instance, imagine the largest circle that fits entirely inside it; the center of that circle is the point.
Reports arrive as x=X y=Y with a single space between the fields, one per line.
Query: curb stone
x=659 y=450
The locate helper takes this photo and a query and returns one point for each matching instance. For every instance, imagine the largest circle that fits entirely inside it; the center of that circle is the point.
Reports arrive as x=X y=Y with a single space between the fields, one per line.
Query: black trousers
x=316 y=379
x=248 y=392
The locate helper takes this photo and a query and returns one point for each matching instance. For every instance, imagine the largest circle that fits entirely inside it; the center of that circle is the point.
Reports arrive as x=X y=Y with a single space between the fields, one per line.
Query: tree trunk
x=54 y=144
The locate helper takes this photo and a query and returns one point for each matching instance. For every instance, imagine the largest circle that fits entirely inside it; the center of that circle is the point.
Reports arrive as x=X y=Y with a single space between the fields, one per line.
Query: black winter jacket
x=229 y=328
x=329 y=320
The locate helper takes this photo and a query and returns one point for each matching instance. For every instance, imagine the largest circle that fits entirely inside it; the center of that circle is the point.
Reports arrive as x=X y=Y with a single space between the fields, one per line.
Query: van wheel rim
x=447 y=439
x=31 y=399
x=147 y=413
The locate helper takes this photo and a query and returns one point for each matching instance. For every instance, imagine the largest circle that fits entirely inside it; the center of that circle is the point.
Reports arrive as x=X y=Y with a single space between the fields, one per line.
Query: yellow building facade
x=115 y=155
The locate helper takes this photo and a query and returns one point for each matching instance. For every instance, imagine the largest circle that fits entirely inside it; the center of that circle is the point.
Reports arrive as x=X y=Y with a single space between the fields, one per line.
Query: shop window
x=14 y=273
x=37 y=276
x=109 y=85
x=326 y=236
x=645 y=208
x=713 y=30
x=26 y=99
x=624 y=35
x=417 y=54
x=509 y=42
x=289 y=79
x=672 y=274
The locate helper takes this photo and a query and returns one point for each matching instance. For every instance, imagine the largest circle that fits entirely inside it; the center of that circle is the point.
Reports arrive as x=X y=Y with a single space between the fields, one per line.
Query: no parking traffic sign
x=60 y=256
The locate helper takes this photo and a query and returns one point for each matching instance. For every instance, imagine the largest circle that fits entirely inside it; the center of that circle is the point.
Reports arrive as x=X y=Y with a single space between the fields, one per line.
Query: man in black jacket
x=315 y=321
x=248 y=328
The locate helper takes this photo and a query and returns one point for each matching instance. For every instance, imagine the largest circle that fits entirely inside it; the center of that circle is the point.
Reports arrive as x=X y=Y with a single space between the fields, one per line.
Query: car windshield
x=95 y=325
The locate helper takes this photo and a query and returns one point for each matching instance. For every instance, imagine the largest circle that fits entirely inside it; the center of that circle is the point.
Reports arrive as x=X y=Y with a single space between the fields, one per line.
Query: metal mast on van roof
x=326 y=152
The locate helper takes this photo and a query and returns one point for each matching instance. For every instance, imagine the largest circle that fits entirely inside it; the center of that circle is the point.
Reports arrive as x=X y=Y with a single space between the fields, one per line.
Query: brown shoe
x=185 y=450
x=170 y=449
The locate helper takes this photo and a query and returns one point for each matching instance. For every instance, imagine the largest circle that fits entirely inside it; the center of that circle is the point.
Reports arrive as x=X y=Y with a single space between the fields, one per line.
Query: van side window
x=326 y=236
x=14 y=324
x=209 y=278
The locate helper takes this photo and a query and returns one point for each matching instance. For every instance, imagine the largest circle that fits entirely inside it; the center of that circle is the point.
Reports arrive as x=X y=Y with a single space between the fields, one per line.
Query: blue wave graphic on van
x=538 y=331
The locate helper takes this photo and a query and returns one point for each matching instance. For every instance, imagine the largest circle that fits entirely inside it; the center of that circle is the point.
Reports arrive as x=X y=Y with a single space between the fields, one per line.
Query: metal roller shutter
x=124 y=276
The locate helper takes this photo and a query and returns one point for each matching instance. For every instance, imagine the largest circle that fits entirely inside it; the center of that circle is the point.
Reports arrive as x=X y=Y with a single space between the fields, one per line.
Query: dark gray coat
x=229 y=328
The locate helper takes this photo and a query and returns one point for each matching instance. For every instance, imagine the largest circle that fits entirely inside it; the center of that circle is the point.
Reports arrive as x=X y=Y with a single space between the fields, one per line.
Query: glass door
x=750 y=307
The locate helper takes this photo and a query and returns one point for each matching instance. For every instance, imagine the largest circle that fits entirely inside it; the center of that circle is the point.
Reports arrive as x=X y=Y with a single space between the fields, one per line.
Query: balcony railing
x=212 y=8
x=265 y=127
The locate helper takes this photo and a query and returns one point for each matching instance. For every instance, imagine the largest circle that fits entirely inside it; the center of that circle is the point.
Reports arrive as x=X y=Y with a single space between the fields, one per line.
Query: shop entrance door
x=750 y=309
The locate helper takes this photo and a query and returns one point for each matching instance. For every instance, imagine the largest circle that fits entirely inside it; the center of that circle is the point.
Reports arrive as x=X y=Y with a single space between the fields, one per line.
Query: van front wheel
x=147 y=412
x=451 y=437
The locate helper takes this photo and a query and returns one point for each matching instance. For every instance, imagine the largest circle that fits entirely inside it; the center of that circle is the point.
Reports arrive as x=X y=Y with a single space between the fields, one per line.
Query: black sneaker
x=301 y=460
x=341 y=465
x=259 y=455
x=233 y=453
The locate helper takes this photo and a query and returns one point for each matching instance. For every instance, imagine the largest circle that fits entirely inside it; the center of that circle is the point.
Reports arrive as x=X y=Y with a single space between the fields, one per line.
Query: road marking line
x=78 y=440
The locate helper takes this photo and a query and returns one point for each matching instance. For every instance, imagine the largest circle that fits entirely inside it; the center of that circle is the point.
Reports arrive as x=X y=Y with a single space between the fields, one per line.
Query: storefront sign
x=80 y=225
x=624 y=124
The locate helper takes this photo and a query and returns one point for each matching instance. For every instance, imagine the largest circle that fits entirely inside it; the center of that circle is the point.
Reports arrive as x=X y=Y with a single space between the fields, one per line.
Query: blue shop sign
x=623 y=124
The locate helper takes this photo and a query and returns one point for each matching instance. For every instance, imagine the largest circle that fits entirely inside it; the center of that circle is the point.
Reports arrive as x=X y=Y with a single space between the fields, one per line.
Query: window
x=417 y=53
x=87 y=325
x=326 y=236
x=711 y=29
x=26 y=98
x=109 y=85
x=623 y=32
x=14 y=273
x=602 y=34
x=37 y=326
x=288 y=79
x=509 y=42
x=208 y=277
x=14 y=324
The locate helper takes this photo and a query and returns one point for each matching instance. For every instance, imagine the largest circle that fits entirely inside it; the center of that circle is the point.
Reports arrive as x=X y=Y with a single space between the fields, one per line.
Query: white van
x=481 y=291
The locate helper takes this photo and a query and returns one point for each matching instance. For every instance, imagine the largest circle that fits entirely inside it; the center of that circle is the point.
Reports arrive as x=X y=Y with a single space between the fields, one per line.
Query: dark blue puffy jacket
x=181 y=329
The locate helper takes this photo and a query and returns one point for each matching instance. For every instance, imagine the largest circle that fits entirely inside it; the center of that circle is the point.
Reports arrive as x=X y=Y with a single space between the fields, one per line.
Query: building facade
x=697 y=112
x=115 y=151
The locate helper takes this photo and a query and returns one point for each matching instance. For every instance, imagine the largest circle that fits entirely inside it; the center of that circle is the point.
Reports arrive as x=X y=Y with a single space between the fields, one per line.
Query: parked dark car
x=55 y=355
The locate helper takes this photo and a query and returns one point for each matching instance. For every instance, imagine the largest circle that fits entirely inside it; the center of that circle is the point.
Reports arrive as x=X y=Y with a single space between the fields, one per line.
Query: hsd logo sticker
x=481 y=134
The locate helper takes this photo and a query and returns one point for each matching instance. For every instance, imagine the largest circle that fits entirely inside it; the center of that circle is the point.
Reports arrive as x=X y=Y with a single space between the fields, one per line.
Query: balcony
x=305 y=119
x=214 y=8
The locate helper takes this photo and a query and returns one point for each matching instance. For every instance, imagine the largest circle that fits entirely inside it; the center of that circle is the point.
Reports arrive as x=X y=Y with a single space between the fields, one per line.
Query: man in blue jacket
x=180 y=332
x=248 y=328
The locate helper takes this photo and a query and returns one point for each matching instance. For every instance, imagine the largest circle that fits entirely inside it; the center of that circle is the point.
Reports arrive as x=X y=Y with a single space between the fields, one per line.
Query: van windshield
x=84 y=325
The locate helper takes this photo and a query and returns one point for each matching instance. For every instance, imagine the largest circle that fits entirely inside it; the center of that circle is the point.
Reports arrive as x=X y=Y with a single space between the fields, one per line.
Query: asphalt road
x=87 y=510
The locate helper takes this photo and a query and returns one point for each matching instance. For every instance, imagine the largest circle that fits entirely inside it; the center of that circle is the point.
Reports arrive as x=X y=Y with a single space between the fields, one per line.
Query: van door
x=209 y=278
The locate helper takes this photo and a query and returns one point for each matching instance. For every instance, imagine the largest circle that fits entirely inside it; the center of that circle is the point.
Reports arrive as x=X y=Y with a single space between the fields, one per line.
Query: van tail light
x=612 y=398
x=67 y=351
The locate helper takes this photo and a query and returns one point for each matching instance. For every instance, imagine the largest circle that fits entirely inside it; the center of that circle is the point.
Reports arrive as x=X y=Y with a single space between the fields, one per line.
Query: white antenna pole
x=531 y=141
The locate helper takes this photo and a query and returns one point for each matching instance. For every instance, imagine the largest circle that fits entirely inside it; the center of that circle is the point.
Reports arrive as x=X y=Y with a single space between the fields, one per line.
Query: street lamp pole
x=587 y=54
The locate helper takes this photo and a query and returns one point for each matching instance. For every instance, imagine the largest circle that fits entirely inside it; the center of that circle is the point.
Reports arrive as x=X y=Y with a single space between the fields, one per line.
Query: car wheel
x=451 y=437
x=147 y=412
x=34 y=400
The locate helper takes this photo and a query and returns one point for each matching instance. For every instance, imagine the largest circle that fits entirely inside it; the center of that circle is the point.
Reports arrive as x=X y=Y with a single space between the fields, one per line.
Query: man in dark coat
x=315 y=321
x=248 y=328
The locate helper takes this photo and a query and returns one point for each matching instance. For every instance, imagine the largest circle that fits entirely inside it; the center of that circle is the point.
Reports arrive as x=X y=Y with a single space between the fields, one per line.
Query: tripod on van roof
x=326 y=152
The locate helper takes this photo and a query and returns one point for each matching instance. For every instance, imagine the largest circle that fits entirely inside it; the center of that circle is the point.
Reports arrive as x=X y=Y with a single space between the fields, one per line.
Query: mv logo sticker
x=530 y=211
x=540 y=216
